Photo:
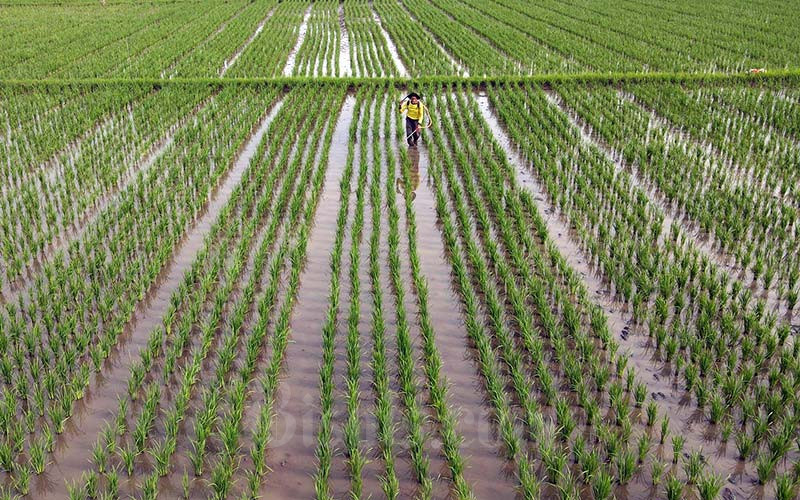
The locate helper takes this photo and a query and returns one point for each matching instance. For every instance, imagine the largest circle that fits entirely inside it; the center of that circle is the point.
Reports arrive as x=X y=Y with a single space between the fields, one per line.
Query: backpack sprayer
x=423 y=107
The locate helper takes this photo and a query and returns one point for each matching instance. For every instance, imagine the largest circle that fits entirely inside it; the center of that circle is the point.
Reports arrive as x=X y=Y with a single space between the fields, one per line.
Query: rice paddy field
x=224 y=274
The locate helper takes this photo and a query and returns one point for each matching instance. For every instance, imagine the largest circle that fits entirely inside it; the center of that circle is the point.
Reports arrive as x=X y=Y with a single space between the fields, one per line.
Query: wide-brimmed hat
x=413 y=94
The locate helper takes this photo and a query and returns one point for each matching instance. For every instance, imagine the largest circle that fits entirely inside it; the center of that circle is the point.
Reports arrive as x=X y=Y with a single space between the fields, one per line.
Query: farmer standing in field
x=414 y=111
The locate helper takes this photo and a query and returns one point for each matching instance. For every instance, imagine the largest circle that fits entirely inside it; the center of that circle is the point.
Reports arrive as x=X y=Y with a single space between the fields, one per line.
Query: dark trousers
x=411 y=131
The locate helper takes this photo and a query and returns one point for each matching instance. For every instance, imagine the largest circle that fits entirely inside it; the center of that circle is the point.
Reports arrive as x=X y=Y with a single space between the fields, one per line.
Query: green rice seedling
x=590 y=465
x=567 y=486
x=656 y=471
x=47 y=438
x=37 y=457
x=579 y=449
x=626 y=466
x=6 y=457
x=785 y=487
x=112 y=483
x=709 y=486
x=161 y=454
x=673 y=488
x=677 y=447
x=75 y=491
x=718 y=408
x=150 y=487
x=765 y=467
x=21 y=479
x=640 y=393
x=90 y=484
x=554 y=461
x=652 y=413
x=221 y=479
x=99 y=457
x=601 y=485
x=744 y=444
x=760 y=427
x=726 y=428
x=643 y=447
x=197 y=456
x=564 y=418
x=693 y=466
x=664 y=429
x=128 y=455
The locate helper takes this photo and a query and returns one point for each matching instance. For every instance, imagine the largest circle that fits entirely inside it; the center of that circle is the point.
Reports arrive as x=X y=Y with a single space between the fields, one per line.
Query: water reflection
x=413 y=174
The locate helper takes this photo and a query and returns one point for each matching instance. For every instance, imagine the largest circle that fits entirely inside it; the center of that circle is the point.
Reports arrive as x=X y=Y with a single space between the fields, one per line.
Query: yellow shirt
x=413 y=111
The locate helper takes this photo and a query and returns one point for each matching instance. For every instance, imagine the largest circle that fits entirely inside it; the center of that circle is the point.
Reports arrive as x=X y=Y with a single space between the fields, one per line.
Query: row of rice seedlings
x=270 y=379
x=704 y=275
x=727 y=208
x=324 y=450
x=380 y=373
x=64 y=195
x=319 y=54
x=570 y=317
x=369 y=52
x=354 y=448
x=213 y=55
x=416 y=48
x=524 y=322
x=409 y=391
x=39 y=126
x=184 y=311
x=763 y=153
x=269 y=52
x=78 y=332
x=765 y=105
x=734 y=393
x=578 y=371
x=479 y=333
x=227 y=424
x=435 y=381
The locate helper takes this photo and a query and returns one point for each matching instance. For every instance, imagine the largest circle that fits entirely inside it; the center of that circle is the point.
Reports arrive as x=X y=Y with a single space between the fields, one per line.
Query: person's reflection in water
x=413 y=173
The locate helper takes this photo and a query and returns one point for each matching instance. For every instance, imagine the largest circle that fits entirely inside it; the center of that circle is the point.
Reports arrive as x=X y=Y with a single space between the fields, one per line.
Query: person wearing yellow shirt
x=414 y=111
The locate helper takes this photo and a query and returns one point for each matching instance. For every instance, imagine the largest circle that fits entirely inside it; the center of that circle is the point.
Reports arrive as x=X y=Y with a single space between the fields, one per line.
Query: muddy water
x=73 y=448
x=226 y=65
x=401 y=68
x=345 y=64
x=301 y=36
x=480 y=445
x=663 y=387
x=297 y=413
